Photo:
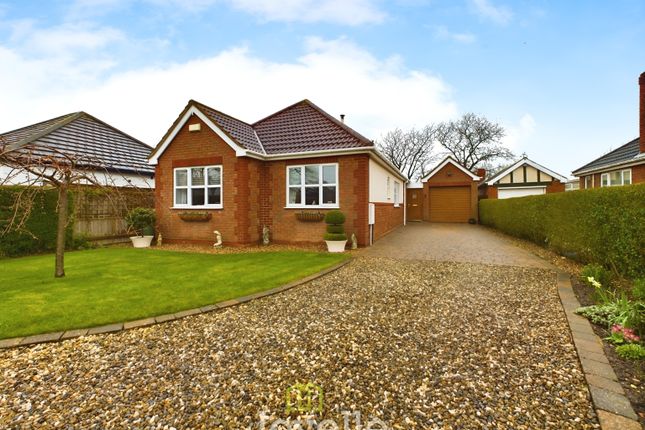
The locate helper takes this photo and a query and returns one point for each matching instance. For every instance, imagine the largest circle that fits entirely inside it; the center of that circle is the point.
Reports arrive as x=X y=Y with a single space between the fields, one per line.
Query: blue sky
x=561 y=76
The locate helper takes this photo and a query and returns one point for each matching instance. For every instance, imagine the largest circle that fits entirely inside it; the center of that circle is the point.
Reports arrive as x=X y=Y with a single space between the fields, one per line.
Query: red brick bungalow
x=215 y=172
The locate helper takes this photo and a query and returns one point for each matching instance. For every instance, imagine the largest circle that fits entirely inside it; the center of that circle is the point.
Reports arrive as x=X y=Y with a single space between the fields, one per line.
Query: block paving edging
x=612 y=407
x=117 y=327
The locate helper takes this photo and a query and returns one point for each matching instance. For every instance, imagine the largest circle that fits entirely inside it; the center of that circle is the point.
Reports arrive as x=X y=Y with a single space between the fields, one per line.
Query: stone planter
x=141 y=241
x=336 y=245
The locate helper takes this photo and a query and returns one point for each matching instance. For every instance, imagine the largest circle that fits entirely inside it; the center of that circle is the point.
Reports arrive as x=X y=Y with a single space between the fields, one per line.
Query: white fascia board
x=522 y=187
x=239 y=151
x=452 y=161
x=530 y=163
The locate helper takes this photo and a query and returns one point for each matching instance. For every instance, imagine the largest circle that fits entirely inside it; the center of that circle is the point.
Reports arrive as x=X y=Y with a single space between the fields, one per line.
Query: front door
x=415 y=204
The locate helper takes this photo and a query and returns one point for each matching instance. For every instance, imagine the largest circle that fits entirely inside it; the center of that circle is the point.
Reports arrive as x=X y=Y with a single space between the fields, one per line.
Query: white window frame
x=397 y=194
x=302 y=187
x=189 y=187
x=588 y=182
x=623 y=173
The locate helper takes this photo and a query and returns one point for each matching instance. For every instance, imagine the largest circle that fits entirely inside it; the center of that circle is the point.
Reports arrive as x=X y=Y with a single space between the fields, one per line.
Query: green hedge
x=604 y=225
x=41 y=223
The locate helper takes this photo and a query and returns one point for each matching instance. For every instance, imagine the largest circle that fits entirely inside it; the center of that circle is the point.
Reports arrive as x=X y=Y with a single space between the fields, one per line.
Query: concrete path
x=453 y=242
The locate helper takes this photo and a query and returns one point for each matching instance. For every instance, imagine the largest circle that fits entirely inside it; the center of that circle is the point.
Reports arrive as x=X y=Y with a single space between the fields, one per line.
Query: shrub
x=39 y=232
x=335 y=229
x=597 y=272
x=631 y=351
x=603 y=225
x=598 y=314
x=638 y=291
x=141 y=221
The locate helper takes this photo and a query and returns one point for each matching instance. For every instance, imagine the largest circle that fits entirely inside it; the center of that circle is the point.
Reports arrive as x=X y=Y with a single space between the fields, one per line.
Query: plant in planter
x=141 y=222
x=335 y=236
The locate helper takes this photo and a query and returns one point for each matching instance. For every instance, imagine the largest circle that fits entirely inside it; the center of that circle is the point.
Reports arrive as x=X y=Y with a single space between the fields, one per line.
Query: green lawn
x=119 y=284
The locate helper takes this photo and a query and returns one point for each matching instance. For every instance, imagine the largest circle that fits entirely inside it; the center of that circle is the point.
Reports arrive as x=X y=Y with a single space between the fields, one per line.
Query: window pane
x=329 y=174
x=214 y=196
x=181 y=196
x=214 y=176
x=329 y=195
x=615 y=178
x=627 y=177
x=295 y=176
x=294 y=196
x=181 y=178
x=311 y=195
x=311 y=174
x=197 y=176
x=197 y=196
x=604 y=179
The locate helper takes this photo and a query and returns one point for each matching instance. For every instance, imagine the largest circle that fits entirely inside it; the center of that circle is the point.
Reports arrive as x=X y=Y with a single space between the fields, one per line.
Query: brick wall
x=353 y=176
x=387 y=218
x=555 y=187
x=254 y=194
x=638 y=176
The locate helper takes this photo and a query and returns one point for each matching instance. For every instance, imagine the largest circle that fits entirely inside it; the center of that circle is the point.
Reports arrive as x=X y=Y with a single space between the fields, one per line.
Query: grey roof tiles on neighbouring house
x=91 y=140
x=624 y=154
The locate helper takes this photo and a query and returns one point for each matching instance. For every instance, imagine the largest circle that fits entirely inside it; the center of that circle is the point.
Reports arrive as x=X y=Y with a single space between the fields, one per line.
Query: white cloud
x=349 y=12
x=346 y=12
x=518 y=134
x=443 y=33
x=377 y=94
x=487 y=10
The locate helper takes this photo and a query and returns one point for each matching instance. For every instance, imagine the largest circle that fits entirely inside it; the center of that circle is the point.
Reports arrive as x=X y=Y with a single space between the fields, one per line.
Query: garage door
x=509 y=193
x=449 y=204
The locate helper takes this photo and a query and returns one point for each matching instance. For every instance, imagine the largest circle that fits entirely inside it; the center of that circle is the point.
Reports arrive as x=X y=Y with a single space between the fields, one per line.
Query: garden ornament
x=354 y=242
x=159 y=240
x=218 y=239
x=265 y=236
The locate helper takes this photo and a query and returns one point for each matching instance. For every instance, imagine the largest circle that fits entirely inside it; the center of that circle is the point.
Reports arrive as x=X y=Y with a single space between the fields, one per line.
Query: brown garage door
x=449 y=204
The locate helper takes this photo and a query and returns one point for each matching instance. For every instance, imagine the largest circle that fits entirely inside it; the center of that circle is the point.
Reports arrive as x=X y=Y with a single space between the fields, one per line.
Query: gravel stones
x=416 y=344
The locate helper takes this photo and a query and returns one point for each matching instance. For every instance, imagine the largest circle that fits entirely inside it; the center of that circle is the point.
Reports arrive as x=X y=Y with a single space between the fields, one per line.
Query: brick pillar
x=242 y=204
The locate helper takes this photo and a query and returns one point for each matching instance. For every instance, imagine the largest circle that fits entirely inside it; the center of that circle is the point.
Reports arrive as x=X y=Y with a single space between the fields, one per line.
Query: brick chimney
x=641 y=83
x=481 y=173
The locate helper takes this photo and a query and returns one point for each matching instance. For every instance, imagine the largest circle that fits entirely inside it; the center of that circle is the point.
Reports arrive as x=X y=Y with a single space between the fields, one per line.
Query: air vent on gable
x=194 y=127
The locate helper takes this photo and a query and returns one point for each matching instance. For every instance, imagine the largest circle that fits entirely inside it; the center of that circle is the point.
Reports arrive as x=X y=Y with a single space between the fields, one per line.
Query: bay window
x=198 y=187
x=312 y=185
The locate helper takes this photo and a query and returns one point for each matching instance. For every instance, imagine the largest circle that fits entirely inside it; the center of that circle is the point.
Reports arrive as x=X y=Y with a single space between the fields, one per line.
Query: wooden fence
x=99 y=214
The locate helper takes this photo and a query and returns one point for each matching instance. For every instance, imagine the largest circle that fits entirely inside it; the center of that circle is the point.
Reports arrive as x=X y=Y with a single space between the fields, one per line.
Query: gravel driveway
x=418 y=344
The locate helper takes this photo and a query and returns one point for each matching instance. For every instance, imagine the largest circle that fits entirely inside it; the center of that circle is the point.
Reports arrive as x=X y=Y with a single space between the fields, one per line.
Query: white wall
x=379 y=192
x=9 y=176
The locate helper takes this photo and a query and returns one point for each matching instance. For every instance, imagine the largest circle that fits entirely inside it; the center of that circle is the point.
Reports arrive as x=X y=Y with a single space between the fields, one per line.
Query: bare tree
x=410 y=151
x=473 y=140
x=35 y=166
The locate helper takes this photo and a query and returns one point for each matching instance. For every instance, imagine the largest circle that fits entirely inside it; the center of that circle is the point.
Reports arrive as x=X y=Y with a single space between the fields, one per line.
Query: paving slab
x=138 y=323
x=70 y=334
x=41 y=338
x=612 y=402
x=609 y=421
x=187 y=313
x=108 y=328
x=10 y=343
x=604 y=383
x=165 y=318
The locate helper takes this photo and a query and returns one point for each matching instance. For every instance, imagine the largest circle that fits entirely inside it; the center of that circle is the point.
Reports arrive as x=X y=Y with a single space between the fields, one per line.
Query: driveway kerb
x=128 y=325
x=614 y=410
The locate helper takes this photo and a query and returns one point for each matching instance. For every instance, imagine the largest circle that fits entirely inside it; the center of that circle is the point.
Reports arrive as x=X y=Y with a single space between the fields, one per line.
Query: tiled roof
x=240 y=131
x=87 y=138
x=304 y=127
x=623 y=154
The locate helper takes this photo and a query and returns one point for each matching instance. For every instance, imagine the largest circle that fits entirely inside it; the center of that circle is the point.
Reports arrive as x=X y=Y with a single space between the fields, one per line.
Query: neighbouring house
x=284 y=172
x=622 y=166
x=523 y=178
x=572 y=185
x=110 y=156
x=448 y=193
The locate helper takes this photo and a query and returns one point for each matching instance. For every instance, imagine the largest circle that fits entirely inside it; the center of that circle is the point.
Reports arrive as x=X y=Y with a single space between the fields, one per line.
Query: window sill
x=196 y=208
x=311 y=207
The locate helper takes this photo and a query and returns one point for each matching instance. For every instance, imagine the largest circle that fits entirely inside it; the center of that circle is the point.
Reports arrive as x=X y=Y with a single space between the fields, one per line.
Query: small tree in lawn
x=473 y=140
x=34 y=166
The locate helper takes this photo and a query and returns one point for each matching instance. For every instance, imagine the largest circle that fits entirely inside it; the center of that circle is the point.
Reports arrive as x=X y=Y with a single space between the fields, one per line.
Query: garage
x=509 y=193
x=450 y=204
